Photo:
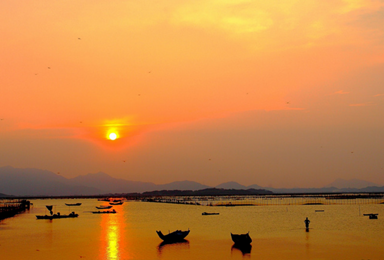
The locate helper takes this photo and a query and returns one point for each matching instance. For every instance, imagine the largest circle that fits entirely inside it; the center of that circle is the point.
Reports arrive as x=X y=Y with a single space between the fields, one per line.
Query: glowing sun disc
x=112 y=136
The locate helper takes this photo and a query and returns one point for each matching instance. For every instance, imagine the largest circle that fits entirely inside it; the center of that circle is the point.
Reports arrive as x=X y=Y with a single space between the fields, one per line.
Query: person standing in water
x=306 y=221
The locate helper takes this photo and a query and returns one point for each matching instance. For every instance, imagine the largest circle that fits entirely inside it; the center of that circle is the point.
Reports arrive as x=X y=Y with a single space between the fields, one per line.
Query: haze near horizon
x=276 y=94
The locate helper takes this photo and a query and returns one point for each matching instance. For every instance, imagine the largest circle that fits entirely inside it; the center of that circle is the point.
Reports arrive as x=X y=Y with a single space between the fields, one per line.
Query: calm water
x=278 y=232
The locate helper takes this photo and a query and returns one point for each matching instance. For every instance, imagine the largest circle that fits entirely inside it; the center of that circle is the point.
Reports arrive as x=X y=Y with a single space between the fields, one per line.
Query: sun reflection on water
x=112 y=235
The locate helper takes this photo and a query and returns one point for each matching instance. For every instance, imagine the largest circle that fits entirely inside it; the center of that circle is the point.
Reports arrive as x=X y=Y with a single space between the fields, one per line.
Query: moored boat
x=116 y=203
x=73 y=204
x=207 y=213
x=175 y=236
x=372 y=215
x=241 y=239
x=105 y=212
x=103 y=207
x=58 y=215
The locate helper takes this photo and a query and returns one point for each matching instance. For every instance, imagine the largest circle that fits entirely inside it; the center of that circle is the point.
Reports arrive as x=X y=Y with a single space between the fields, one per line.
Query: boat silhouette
x=175 y=236
x=241 y=239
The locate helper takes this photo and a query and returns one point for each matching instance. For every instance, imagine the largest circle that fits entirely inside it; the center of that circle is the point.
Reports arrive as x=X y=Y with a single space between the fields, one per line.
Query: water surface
x=278 y=232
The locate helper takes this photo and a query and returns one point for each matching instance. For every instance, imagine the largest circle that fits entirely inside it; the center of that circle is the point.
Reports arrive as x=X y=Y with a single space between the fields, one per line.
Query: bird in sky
x=287 y=103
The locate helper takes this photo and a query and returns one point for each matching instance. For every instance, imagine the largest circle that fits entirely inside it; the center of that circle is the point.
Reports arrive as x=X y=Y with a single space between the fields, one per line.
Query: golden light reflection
x=112 y=235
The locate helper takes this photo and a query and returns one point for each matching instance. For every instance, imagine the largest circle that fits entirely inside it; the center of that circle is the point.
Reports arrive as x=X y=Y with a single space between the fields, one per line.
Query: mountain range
x=36 y=182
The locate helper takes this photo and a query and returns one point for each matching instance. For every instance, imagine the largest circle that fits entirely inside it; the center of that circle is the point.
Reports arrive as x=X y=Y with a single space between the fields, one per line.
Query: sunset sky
x=275 y=93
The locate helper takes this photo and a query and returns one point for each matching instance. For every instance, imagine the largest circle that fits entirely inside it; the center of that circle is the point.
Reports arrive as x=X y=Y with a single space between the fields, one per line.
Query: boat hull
x=104 y=207
x=241 y=239
x=207 y=213
x=104 y=212
x=175 y=236
x=56 y=216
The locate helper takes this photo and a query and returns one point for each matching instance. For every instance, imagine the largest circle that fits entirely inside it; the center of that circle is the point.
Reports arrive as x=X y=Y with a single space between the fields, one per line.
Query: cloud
x=378 y=95
x=341 y=92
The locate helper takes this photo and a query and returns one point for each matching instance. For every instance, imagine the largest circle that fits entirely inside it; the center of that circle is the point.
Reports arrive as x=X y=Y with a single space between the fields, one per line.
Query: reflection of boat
x=183 y=244
x=103 y=207
x=175 y=236
x=116 y=203
x=245 y=249
x=105 y=212
x=56 y=216
x=207 y=213
x=371 y=215
x=241 y=239
x=74 y=204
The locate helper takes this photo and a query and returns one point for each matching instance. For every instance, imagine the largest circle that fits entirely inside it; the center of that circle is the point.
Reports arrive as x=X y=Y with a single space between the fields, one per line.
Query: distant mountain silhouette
x=231 y=185
x=254 y=186
x=4 y=195
x=207 y=192
x=35 y=182
x=108 y=184
x=352 y=183
x=181 y=185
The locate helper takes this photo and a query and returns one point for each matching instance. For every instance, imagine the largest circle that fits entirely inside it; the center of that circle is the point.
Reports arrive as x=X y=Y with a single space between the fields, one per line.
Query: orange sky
x=274 y=93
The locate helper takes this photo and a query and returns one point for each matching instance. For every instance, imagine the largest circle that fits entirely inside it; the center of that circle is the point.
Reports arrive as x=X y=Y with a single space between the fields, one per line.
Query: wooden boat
x=207 y=213
x=371 y=216
x=74 y=204
x=56 y=216
x=116 y=203
x=103 y=207
x=241 y=239
x=105 y=212
x=175 y=236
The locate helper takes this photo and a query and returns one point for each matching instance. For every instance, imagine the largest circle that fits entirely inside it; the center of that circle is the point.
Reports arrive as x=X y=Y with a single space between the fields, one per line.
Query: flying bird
x=287 y=103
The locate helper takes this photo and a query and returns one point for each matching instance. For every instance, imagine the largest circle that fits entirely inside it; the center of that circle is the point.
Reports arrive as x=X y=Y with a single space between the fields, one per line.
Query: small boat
x=105 y=212
x=103 y=207
x=56 y=216
x=319 y=210
x=175 y=236
x=116 y=203
x=371 y=216
x=207 y=213
x=74 y=204
x=241 y=239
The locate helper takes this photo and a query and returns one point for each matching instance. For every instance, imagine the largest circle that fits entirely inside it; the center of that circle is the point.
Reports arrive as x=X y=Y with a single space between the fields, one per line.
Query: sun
x=112 y=136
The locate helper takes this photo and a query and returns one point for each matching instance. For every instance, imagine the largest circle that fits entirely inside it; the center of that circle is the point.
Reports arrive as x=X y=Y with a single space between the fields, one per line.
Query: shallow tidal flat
x=278 y=232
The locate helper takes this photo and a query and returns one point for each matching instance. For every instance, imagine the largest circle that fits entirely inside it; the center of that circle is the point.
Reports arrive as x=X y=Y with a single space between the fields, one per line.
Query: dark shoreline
x=12 y=207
